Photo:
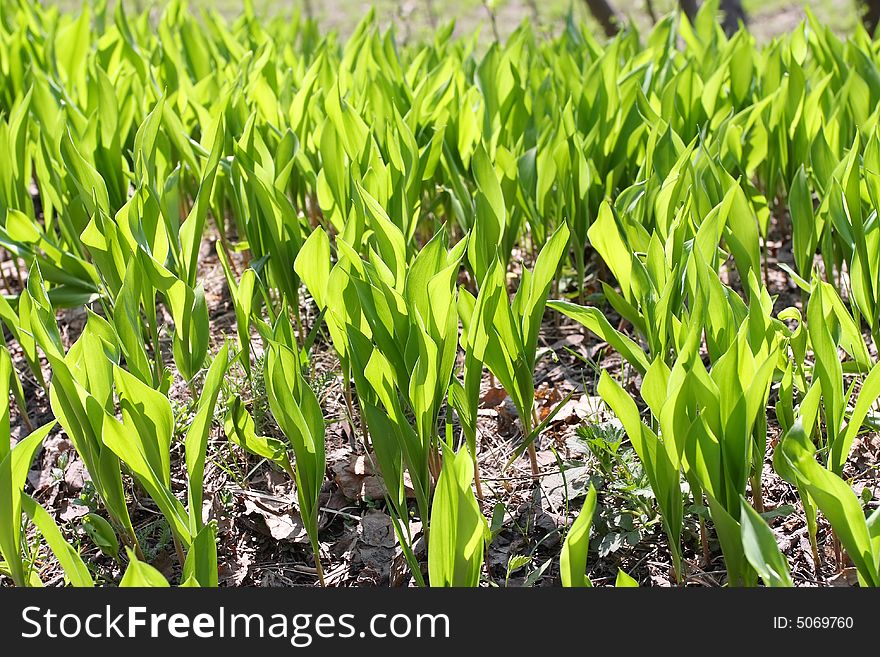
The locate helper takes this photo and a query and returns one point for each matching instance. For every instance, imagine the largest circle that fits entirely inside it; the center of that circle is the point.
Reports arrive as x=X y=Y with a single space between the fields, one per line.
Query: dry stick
x=22 y=409
x=6 y=284
x=18 y=271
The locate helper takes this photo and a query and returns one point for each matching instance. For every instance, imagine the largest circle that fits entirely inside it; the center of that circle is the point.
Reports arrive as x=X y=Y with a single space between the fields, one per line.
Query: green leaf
x=538 y=287
x=196 y=441
x=102 y=534
x=573 y=558
x=296 y=409
x=456 y=543
x=201 y=560
x=595 y=321
x=625 y=581
x=761 y=549
x=313 y=265
x=14 y=467
x=240 y=429
x=75 y=571
x=837 y=501
x=139 y=574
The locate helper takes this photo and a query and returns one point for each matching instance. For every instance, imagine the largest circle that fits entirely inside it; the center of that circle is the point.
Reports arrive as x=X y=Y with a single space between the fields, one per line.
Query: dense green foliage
x=395 y=188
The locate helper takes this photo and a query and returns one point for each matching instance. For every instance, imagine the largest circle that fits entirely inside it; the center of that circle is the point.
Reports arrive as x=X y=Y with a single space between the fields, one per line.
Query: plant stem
x=704 y=542
x=533 y=461
x=477 y=483
x=817 y=562
x=435 y=464
x=765 y=253
x=224 y=243
x=533 y=454
x=300 y=338
x=838 y=553
x=318 y=567
x=346 y=392
x=758 y=492
x=179 y=549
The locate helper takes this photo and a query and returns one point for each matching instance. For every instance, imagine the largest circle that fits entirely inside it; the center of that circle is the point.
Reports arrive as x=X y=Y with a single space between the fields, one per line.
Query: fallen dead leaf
x=43 y=477
x=846 y=578
x=559 y=489
x=584 y=408
x=283 y=524
x=493 y=397
x=547 y=394
x=75 y=476
x=359 y=481
x=71 y=511
x=164 y=563
x=571 y=341
x=377 y=530
x=235 y=569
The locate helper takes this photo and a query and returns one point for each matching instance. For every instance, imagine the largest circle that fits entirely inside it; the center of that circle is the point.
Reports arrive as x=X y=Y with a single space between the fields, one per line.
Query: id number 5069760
x=813 y=623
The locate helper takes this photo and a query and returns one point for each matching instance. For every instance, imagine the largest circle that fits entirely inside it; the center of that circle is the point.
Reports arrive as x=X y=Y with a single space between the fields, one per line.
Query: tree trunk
x=733 y=14
x=870 y=14
x=649 y=6
x=689 y=7
x=606 y=15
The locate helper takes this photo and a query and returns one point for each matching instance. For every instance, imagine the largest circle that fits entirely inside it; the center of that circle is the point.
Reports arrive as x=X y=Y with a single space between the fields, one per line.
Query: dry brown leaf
x=493 y=397
x=584 y=408
x=283 y=524
x=72 y=511
x=377 y=530
x=359 y=481
x=846 y=578
x=235 y=570
x=43 y=477
x=75 y=476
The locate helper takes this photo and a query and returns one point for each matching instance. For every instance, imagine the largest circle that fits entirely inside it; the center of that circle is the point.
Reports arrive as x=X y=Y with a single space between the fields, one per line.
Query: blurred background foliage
x=416 y=19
